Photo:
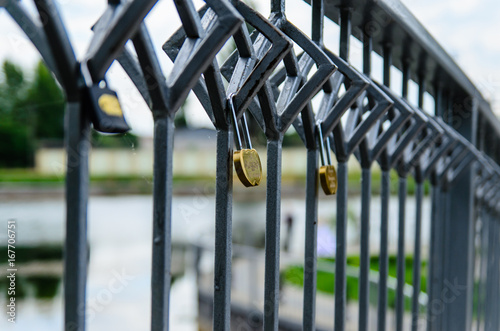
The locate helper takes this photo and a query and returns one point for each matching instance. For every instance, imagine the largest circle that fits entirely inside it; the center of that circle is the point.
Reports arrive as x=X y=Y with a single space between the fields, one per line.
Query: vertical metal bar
x=223 y=231
x=435 y=279
x=387 y=64
x=483 y=262
x=417 y=257
x=401 y=261
x=419 y=196
x=438 y=100
x=442 y=264
x=459 y=249
x=433 y=259
x=445 y=263
x=496 y=269
x=309 y=310
x=495 y=277
x=341 y=231
x=492 y=282
x=162 y=215
x=367 y=53
x=278 y=6
x=341 y=249
x=364 y=267
x=77 y=184
x=489 y=314
x=406 y=77
x=345 y=32
x=318 y=14
x=273 y=220
x=476 y=264
x=435 y=306
x=421 y=91
x=431 y=288
x=384 y=255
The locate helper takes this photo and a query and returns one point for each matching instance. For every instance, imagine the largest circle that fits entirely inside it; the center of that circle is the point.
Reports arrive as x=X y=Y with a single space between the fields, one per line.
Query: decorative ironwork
x=356 y=116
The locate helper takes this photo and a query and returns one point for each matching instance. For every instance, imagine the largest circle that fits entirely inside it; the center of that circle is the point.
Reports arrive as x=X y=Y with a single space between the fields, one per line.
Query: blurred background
x=32 y=172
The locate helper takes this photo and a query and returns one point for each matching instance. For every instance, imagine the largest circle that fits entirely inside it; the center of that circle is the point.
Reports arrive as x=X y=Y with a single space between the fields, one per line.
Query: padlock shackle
x=246 y=133
x=328 y=149
x=244 y=124
x=324 y=158
x=237 y=137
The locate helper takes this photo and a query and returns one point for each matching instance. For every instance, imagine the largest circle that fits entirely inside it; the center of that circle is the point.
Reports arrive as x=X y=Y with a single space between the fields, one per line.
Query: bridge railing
x=274 y=74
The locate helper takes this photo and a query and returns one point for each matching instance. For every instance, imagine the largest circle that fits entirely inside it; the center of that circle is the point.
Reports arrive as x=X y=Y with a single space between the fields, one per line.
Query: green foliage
x=14 y=76
x=25 y=254
x=12 y=91
x=180 y=119
x=30 y=111
x=17 y=147
x=292 y=139
x=46 y=101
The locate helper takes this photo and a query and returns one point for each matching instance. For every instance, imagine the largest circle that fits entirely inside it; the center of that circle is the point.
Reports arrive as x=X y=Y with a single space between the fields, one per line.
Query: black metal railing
x=274 y=73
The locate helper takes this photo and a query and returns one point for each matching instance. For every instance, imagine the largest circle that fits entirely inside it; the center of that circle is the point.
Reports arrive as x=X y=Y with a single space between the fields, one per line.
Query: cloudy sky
x=469 y=30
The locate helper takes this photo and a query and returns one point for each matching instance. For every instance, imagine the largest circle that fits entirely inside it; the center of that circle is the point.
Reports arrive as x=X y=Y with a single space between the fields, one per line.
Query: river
x=120 y=235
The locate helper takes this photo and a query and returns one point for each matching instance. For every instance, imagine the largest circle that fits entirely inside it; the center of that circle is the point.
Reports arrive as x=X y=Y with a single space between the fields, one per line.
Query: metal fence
x=274 y=75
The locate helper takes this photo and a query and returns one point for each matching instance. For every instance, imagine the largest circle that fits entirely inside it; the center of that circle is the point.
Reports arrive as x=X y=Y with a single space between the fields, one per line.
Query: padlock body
x=248 y=166
x=328 y=179
x=105 y=110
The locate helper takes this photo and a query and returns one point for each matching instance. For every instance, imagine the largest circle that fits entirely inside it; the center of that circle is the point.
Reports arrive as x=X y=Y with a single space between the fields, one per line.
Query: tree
x=12 y=91
x=16 y=143
x=45 y=102
x=29 y=112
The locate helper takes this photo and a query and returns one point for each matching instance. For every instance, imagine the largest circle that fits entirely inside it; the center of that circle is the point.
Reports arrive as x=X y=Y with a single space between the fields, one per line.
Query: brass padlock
x=105 y=110
x=328 y=179
x=248 y=167
x=327 y=172
x=246 y=160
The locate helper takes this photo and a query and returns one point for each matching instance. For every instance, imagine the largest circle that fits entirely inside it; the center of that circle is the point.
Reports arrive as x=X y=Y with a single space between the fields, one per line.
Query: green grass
x=27 y=176
x=354 y=182
x=30 y=177
x=294 y=275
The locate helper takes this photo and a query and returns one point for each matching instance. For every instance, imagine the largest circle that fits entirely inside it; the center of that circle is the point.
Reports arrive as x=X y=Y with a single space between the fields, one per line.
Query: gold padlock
x=328 y=179
x=327 y=172
x=248 y=167
x=246 y=160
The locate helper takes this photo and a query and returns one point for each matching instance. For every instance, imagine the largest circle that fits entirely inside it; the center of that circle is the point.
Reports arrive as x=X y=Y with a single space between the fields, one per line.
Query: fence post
x=491 y=319
x=457 y=286
x=77 y=186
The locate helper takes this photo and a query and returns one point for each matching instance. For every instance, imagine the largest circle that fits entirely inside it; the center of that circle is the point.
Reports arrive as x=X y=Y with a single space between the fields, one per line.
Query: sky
x=469 y=30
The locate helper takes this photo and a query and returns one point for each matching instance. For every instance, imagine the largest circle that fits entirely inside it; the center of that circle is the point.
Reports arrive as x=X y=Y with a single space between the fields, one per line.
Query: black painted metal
x=370 y=121
x=311 y=242
x=364 y=263
x=401 y=262
x=341 y=249
x=417 y=264
x=384 y=254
